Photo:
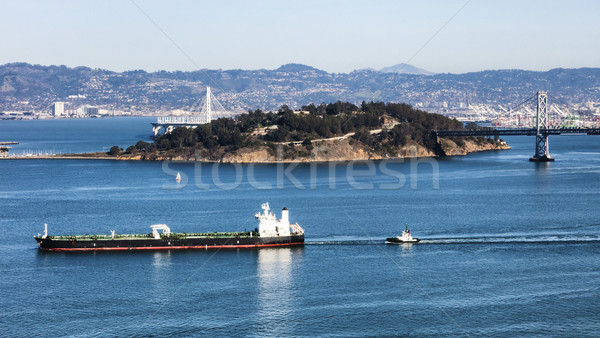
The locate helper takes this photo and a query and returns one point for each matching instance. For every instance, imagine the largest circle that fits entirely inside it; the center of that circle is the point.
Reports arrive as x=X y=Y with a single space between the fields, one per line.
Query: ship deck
x=151 y=236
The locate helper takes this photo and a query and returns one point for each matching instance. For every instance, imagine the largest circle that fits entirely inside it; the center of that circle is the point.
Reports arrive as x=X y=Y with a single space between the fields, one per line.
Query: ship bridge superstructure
x=270 y=226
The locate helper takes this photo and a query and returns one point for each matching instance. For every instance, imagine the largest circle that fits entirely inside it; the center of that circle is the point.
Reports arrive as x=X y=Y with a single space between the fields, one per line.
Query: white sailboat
x=178 y=178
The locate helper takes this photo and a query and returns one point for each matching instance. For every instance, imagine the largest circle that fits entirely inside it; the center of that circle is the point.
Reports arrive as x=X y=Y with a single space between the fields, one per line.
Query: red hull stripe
x=175 y=247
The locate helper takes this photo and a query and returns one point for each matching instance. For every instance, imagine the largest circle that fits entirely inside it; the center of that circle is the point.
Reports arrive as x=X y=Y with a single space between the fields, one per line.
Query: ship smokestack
x=285 y=216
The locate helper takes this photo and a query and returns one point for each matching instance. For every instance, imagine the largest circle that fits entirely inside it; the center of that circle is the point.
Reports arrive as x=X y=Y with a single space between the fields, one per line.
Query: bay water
x=509 y=247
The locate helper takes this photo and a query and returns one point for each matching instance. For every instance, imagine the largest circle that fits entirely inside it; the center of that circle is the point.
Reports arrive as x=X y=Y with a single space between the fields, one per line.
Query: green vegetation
x=115 y=150
x=380 y=127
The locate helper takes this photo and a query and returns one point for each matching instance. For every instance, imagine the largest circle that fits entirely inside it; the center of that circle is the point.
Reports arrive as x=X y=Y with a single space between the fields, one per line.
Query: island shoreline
x=103 y=156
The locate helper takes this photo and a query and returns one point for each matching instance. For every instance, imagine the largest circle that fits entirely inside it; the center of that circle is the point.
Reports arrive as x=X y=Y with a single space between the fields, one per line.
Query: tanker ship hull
x=271 y=232
x=76 y=244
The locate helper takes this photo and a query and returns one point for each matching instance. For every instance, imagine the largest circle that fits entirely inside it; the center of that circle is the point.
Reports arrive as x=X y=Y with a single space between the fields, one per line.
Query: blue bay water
x=509 y=247
x=74 y=135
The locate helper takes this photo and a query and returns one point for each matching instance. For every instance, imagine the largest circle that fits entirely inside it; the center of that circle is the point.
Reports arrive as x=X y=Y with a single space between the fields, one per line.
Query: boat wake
x=525 y=239
x=513 y=239
x=343 y=242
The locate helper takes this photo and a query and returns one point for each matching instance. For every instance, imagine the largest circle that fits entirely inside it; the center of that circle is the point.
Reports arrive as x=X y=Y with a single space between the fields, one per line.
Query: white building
x=58 y=109
x=90 y=110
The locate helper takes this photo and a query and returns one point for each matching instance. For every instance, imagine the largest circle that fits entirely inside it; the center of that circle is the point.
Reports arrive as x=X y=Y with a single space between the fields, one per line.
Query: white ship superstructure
x=405 y=237
x=270 y=226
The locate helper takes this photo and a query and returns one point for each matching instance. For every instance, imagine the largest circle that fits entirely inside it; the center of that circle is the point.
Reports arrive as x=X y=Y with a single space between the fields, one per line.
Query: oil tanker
x=271 y=232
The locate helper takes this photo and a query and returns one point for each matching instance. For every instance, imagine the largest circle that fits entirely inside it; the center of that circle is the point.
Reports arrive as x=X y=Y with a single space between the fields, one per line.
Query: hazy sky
x=336 y=36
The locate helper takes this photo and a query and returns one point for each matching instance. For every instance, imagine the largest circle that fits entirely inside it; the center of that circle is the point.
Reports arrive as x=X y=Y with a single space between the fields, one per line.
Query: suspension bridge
x=211 y=110
x=4 y=148
x=541 y=131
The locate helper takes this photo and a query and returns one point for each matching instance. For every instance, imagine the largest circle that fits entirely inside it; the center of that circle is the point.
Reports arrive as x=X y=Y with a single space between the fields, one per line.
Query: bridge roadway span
x=506 y=132
x=542 y=153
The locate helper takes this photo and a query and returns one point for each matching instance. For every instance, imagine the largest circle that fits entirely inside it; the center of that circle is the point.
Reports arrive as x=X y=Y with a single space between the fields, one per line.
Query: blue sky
x=336 y=36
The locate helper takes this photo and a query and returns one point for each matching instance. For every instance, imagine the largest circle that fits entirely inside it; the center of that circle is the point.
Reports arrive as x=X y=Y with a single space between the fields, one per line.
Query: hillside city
x=38 y=92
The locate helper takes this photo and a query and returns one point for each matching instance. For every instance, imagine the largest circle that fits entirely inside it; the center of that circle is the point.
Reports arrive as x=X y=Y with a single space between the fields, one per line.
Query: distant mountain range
x=26 y=87
x=401 y=68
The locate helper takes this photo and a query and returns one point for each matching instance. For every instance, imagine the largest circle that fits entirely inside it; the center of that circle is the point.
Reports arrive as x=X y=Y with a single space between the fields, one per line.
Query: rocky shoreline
x=334 y=151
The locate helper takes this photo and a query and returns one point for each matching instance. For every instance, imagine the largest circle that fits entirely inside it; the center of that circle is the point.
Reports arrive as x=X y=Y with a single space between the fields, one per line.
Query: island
x=339 y=131
x=332 y=132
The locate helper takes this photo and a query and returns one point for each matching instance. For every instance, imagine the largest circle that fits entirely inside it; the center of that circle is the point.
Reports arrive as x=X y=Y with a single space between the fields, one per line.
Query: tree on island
x=131 y=149
x=142 y=146
x=115 y=150
x=381 y=127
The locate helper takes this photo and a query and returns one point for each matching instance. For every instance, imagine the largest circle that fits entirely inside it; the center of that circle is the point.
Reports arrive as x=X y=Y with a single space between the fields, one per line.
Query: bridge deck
x=180 y=124
x=527 y=131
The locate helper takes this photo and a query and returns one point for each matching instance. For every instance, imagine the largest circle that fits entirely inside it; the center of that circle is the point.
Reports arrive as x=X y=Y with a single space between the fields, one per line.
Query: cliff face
x=331 y=151
x=450 y=148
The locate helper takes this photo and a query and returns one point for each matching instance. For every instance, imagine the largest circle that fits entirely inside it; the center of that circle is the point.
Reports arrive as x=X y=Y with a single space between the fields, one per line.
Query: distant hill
x=296 y=68
x=26 y=87
x=403 y=68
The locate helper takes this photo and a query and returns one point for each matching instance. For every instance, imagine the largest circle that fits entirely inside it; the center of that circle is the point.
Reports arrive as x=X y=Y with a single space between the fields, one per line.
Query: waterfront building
x=58 y=109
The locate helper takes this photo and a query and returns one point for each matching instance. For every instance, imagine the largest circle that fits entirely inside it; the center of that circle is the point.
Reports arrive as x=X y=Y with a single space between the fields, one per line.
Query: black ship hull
x=395 y=240
x=206 y=243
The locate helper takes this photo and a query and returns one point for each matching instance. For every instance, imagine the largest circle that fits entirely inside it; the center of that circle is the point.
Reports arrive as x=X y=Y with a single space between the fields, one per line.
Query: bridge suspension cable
x=559 y=100
x=531 y=99
x=211 y=107
x=541 y=131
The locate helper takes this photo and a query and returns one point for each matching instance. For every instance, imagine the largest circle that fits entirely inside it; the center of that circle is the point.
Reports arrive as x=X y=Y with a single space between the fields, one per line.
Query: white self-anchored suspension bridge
x=211 y=109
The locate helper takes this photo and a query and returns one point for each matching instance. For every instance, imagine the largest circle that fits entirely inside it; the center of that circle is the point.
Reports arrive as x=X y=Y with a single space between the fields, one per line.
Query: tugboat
x=271 y=232
x=406 y=237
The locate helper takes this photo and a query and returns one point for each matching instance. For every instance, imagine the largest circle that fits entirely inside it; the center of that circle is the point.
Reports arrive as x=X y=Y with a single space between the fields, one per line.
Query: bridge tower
x=541 y=137
x=207 y=107
x=211 y=109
